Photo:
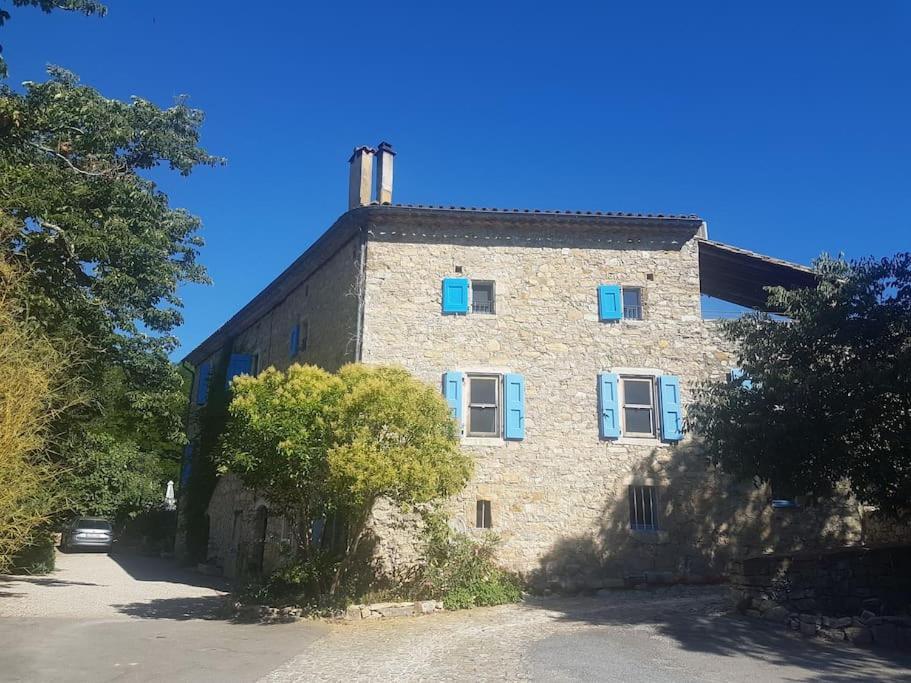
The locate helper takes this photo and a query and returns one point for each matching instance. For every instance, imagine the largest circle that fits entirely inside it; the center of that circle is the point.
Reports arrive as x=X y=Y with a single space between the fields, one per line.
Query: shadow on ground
x=143 y=568
x=208 y=608
x=699 y=622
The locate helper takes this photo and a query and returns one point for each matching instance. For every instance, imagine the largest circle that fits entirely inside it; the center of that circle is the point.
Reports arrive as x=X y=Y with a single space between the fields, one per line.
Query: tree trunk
x=359 y=528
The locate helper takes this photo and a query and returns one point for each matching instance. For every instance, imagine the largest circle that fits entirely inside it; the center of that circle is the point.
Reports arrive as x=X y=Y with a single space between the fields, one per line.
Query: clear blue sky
x=786 y=125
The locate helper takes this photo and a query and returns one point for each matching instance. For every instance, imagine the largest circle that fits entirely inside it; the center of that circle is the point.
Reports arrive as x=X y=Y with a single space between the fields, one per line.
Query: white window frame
x=653 y=407
x=498 y=405
x=493 y=296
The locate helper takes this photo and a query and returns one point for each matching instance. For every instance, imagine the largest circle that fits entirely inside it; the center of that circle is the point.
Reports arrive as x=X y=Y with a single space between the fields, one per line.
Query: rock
x=884 y=634
x=832 y=634
x=808 y=628
x=859 y=635
x=866 y=615
x=425 y=606
x=353 y=613
x=777 y=614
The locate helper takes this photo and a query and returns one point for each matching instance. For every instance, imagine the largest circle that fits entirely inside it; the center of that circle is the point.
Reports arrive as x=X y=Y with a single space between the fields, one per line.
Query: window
x=304 y=336
x=632 y=303
x=638 y=406
x=482 y=299
x=483 y=405
x=643 y=508
x=484 y=519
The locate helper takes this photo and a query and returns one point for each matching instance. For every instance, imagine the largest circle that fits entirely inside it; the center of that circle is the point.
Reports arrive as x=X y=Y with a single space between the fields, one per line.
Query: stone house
x=567 y=344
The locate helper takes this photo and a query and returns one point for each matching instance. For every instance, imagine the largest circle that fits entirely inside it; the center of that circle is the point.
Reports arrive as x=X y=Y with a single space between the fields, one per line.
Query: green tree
x=318 y=444
x=105 y=253
x=826 y=393
x=47 y=6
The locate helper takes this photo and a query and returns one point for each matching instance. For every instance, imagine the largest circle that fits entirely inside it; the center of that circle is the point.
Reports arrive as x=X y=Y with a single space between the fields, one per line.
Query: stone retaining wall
x=857 y=594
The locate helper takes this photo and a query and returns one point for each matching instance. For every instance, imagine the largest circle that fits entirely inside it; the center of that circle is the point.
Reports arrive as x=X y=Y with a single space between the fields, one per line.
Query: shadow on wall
x=703 y=521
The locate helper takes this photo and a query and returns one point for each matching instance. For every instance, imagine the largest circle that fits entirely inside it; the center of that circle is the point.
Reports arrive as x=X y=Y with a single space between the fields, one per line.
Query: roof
x=741 y=276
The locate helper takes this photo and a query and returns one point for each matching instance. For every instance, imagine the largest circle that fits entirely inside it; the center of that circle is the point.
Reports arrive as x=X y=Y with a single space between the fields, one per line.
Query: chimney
x=384 y=173
x=360 y=176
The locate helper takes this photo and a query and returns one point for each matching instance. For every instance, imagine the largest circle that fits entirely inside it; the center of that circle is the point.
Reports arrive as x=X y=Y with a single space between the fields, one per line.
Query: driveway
x=125 y=618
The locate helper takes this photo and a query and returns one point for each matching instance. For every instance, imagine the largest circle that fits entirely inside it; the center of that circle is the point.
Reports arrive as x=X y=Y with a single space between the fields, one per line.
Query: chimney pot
x=360 y=176
x=384 y=173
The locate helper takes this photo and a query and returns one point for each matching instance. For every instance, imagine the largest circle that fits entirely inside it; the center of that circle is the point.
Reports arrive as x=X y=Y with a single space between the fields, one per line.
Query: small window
x=304 y=339
x=643 y=508
x=632 y=303
x=483 y=405
x=638 y=406
x=484 y=519
x=482 y=299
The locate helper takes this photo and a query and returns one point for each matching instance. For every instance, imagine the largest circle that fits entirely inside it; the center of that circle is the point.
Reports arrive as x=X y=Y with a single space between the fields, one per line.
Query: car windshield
x=93 y=524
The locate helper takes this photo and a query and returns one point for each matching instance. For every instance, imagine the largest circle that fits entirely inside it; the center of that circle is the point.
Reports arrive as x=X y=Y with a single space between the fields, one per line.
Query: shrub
x=37 y=557
x=461 y=570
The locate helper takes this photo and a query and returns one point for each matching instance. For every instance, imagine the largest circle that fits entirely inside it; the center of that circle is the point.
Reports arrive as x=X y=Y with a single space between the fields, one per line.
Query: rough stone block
x=808 y=628
x=777 y=614
x=859 y=635
x=353 y=612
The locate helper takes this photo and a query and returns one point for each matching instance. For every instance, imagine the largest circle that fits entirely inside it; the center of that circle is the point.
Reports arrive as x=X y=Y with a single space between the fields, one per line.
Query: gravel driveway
x=125 y=618
x=94 y=585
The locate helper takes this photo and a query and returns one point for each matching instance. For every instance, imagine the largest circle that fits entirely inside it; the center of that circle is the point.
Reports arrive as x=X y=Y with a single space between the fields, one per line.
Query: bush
x=37 y=557
x=461 y=571
x=301 y=583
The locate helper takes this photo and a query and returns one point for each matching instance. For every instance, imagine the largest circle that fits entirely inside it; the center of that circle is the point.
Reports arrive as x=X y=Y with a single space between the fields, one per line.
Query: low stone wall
x=858 y=594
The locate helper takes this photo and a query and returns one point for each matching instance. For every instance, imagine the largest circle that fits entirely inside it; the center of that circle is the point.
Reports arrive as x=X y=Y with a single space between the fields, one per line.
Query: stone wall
x=559 y=496
x=858 y=594
x=328 y=302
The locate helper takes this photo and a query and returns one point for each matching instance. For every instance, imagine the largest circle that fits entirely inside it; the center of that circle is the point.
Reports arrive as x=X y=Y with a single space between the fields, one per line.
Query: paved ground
x=124 y=618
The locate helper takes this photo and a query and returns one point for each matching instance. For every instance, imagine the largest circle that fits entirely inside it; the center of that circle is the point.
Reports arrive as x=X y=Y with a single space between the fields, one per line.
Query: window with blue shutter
x=514 y=406
x=671 y=416
x=452 y=391
x=610 y=302
x=739 y=376
x=455 y=295
x=202 y=386
x=239 y=364
x=294 y=342
x=609 y=405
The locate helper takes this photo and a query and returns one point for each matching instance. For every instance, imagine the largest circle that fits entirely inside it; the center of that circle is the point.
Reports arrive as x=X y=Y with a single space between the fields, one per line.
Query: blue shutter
x=455 y=295
x=294 y=342
x=239 y=364
x=738 y=375
x=452 y=390
x=609 y=405
x=202 y=386
x=671 y=417
x=610 y=302
x=514 y=406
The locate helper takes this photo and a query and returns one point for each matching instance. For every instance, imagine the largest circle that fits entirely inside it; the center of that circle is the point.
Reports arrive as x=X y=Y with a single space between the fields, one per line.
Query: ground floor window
x=484 y=517
x=643 y=508
x=638 y=396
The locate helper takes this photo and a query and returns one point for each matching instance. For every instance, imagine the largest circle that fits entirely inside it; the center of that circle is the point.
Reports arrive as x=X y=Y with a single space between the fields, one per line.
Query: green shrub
x=300 y=583
x=461 y=570
x=37 y=557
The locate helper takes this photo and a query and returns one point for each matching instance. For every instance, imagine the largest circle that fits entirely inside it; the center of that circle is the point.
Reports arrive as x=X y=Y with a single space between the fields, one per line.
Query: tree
x=105 y=254
x=317 y=443
x=87 y=7
x=825 y=397
x=31 y=373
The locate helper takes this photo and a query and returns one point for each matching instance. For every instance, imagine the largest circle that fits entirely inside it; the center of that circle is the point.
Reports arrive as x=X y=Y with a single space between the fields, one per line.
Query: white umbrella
x=170 y=501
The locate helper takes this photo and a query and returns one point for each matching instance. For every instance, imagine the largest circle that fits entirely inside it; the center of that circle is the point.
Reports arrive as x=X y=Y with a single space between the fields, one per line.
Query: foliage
x=212 y=424
x=105 y=255
x=38 y=557
x=303 y=582
x=30 y=389
x=461 y=570
x=318 y=444
x=826 y=396
x=83 y=6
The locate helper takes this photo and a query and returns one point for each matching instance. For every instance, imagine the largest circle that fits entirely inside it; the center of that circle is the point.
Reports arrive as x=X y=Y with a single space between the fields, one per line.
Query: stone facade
x=243 y=536
x=559 y=496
